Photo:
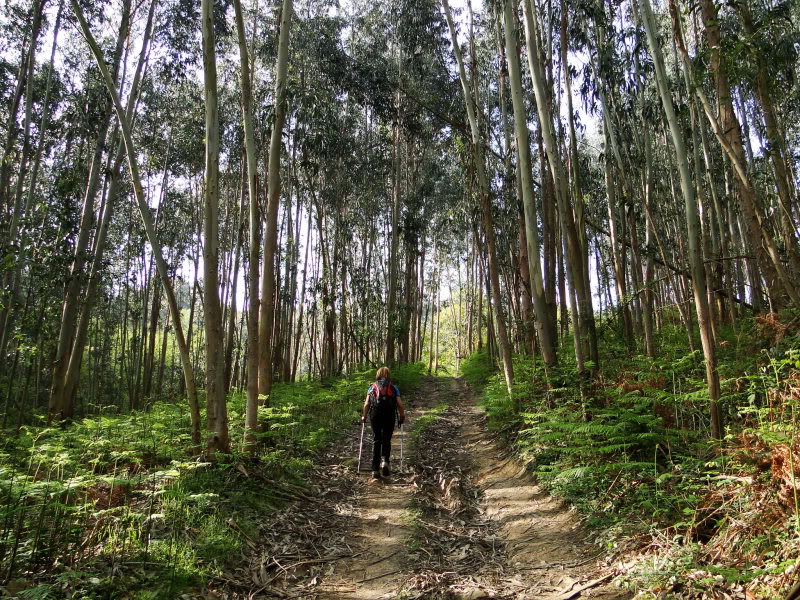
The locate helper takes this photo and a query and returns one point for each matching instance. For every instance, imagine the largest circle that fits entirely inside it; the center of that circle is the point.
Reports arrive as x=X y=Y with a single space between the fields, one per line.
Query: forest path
x=547 y=551
x=463 y=521
x=378 y=566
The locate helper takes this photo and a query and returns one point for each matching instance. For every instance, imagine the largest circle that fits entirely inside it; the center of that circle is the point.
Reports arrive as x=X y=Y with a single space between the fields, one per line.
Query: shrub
x=477 y=368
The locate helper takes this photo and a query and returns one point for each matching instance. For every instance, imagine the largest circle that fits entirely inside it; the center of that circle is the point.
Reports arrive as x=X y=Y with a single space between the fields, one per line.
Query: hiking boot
x=376 y=474
x=385 y=468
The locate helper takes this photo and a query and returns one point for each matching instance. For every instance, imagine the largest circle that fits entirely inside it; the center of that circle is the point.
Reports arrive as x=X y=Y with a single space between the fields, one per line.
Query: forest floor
x=462 y=520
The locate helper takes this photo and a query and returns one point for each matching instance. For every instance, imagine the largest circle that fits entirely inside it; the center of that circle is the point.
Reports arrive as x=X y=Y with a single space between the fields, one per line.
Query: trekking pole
x=360 y=446
x=401 y=447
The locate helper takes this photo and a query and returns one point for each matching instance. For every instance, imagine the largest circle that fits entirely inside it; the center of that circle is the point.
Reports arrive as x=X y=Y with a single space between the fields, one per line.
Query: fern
x=574 y=473
x=40 y=592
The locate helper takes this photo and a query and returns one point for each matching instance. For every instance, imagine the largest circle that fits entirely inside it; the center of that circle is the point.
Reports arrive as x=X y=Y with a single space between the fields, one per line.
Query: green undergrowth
x=116 y=506
x=425 y=420
x=631 y=450
x=477 y=368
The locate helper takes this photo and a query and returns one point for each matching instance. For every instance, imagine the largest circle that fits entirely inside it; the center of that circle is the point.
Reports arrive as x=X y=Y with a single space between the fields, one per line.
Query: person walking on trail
x=382 y=405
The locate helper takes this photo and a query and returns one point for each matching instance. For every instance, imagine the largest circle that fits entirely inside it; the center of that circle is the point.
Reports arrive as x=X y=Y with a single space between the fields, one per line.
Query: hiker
x=382 y=405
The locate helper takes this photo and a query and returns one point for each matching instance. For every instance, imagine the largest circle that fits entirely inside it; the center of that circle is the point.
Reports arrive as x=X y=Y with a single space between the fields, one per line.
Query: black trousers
x=382 y=429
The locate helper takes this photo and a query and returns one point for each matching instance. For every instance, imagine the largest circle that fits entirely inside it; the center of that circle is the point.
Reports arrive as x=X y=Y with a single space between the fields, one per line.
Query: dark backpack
x=382 y=400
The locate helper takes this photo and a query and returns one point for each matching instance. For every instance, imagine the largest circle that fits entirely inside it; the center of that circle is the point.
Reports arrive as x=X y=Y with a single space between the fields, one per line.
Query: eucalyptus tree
x=577 y=254
x=10 y=282
x=692 y=220
x=485 y=199
x=267 y=313
x=144 y=211
x=68 y=387
x=254 y=224
x=216 y=403
x=23 y=87
x=774 y=57
x=730 y=123
x=782 y=280
x=526 y=184
x=60 y=406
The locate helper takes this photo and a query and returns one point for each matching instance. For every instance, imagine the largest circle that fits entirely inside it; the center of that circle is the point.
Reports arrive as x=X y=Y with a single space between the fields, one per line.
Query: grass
x=477 y=368
x=115 y=506
x=425 y=420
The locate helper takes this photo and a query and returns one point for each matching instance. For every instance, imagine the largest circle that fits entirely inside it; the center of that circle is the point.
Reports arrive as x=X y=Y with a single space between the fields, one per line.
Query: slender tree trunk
x=486 y=205
x=647 y=192
x=230 y=331
x=273 y=201
x=395 y=240
x=692 y=222
x=727 y=129
x=302 y=298
x=10 y=282
x=59 y=405
x=251 y=416
x=216 y=403
x=617 y=251
x=536 y=288
x=584 y=322
x=147 y=219
x=776 y=148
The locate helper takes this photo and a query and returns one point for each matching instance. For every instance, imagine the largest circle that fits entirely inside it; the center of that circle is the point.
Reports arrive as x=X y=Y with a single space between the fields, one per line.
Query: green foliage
x=425 y=420
x=631 y=450
x=408 y=376
x=40 y=592
x=115 y=491
x=477 y=368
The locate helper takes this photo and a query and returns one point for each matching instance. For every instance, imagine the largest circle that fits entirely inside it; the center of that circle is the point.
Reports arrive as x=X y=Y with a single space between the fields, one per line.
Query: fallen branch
x=583 y=588
x=380 y=560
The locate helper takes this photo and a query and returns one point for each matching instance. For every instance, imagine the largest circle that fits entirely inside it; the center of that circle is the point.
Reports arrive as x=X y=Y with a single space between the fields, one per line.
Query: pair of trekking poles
x=361 y=446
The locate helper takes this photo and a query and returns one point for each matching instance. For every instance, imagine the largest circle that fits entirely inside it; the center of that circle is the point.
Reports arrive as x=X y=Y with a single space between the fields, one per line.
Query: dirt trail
x=379 y=547
x=544 y=542
x=378 y=567
x=463 y=521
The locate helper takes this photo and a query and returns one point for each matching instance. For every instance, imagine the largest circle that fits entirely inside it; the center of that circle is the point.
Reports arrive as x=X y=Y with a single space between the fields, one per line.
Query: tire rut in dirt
x=379 y=567
x=455 y=551
x=322 y=546
x=549 y=552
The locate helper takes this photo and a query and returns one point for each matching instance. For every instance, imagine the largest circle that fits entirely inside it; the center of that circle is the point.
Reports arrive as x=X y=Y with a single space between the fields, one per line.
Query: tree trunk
x=584 y=322
x=486 y=205
x=60 y=406
x=532 y=245
x=251 y=416
x=391 y=308
x=216 y=403
x=692 y=223
x=273 y=200
x=776 y=148
x=728 y=131
x=144 y=212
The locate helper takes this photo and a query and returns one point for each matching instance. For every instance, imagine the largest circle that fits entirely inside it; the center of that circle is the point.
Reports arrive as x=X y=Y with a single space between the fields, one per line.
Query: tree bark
x=144 y=212
x=585 y=336
x=692 y=223
x=391 y=308
x=216 y=403
x=728 y=131
x=268 y=299
x=486 y=205
x=60 y=405
x=521 y=138
x=251 y=416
